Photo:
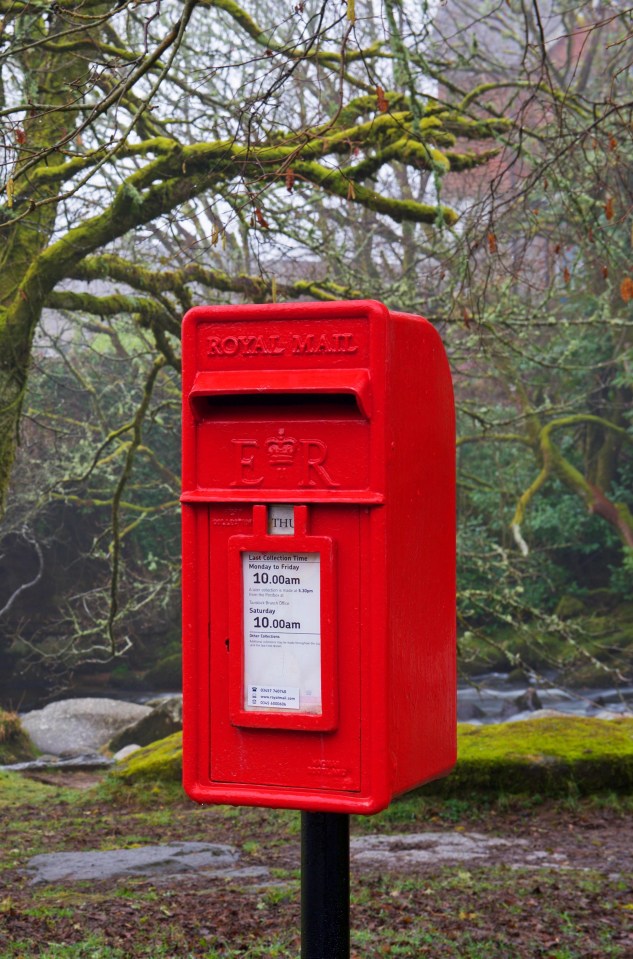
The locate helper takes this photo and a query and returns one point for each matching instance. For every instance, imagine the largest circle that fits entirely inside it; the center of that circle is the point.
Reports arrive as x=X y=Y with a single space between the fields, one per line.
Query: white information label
x=273 y=697
x=282 y=631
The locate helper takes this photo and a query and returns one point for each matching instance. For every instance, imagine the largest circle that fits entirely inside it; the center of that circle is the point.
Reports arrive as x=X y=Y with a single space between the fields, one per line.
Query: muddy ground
x=471 y=879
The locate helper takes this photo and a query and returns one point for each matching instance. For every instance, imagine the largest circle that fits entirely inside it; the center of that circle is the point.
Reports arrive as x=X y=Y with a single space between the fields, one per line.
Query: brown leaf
x=608 y=208
x=613 y=143
x=626 y=289
x=290 y=180
x=566 y=275
x=20 y=136
x=605 y=271
x=492 y=242
x=557 y=248
x=383 y=103
x=259 y=216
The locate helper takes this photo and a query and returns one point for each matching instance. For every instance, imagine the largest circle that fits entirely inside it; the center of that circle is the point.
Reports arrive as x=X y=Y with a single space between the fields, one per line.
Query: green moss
x=17 y=790
x=15 y=745
x=160 y=761
x=552 y=757
x=570 y=607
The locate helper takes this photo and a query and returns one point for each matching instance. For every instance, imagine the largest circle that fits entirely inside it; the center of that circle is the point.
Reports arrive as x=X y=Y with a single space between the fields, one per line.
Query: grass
x=471 y=912
x=15 y=745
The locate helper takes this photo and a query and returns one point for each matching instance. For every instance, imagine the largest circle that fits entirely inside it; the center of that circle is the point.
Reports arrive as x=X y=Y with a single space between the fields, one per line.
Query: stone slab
x=396 y=852
x=165 y=860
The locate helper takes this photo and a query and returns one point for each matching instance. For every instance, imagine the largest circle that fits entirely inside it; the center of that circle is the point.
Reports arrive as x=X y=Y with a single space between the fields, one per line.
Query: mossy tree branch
x=555 y=464
x=157 y=176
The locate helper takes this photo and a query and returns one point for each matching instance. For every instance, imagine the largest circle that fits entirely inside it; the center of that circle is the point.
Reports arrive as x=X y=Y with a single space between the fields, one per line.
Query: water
x=492 y=699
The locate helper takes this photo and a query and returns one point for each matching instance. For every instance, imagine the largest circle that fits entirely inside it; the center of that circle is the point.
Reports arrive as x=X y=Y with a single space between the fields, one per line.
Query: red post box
x=318 y=555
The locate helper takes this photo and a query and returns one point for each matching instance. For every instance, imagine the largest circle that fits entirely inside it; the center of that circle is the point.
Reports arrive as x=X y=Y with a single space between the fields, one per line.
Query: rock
x=158 y=762
x=549 y=754
x=612 y=714
x=468 y=711
x=526 y=702
x=79 y=726
x=125 y=752
x=162 y=721
x=172 y=701
x=539 y=714
x=517 y=675
x=400 y=852
x=75 y=764
x=167 y=860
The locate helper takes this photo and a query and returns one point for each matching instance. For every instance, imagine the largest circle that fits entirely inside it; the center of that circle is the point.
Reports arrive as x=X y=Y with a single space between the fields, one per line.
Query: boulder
x=468 y=711
x=125 y=752
x=527 y=701
x=78 y=726
x=539 y=714
x=160 y=762
x=164 y=719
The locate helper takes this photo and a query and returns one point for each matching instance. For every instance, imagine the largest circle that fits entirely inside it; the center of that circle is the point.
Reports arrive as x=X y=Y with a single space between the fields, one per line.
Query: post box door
x=301 y=754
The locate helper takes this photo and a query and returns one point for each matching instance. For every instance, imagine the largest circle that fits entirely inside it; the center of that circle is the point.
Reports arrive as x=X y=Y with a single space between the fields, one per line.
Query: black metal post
x=324 y=885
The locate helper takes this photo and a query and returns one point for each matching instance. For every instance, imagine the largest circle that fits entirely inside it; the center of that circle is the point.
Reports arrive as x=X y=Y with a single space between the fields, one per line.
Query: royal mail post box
x=318 y=555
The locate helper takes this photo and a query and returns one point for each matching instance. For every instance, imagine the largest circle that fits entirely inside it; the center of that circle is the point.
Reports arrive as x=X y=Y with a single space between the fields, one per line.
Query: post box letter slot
x=334 y=392
x=282 y=669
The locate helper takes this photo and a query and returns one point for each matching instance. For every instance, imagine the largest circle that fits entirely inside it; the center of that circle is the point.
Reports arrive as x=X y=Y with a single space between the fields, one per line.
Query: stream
x=491 y=698
x=486 y=699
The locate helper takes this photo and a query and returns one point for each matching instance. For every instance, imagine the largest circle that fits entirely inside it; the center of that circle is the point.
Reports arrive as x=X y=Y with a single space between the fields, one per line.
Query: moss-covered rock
x=550 y=756
x=570 y=607
x=159 y=762
x=15 y=745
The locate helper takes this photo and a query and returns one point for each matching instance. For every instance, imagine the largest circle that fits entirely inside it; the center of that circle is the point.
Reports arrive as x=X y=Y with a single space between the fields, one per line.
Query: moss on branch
x=335 y=182
x=114 y=304
x=331 y=58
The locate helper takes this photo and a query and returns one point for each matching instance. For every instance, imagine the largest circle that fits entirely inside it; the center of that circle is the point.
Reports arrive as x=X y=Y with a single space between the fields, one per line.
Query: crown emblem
x=281 y=449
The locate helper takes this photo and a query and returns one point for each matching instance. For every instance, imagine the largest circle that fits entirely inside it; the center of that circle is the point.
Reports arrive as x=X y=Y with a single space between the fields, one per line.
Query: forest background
x=468 y=161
